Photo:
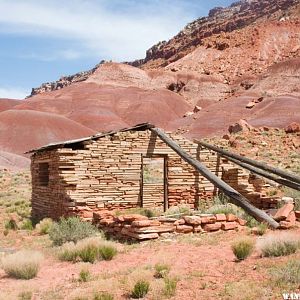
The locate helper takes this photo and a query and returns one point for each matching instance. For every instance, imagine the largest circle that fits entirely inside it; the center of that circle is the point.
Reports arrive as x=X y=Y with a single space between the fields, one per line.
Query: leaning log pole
x=261 y=165
x=235 y=197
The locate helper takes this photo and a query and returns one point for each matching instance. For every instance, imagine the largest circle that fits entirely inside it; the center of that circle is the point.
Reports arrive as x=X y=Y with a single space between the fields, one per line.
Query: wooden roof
x=138 y=127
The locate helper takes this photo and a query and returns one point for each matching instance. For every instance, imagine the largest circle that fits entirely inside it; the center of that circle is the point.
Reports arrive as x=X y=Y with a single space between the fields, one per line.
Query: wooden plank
x=236 y=197
x=261 y=165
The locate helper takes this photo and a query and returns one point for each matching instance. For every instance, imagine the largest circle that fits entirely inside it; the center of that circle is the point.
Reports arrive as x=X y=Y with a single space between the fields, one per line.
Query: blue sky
x=41 y=40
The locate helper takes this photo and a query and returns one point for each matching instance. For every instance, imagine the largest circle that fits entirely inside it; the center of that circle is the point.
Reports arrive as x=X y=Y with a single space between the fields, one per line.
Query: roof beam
x=235 y=197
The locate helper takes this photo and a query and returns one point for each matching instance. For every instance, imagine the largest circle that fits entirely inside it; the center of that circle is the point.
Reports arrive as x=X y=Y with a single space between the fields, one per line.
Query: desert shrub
x=279 y=245
x=88 y=253
x=287 y=274
x=242 y=248
x=11 y=224
x=103 y=296
x=27 y=225
x=161 y=270
x=169 y=289
x=68 y=252
x=70 y=230
x=84 y=275
x=251 y=222
x=261 y=229
x=107 y=252
x=43 y=227
x=23 y=264
x=140 y=289
x=27 y=295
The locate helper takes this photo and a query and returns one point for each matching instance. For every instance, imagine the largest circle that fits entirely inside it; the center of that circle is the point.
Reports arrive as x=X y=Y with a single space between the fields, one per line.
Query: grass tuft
x=43 y=227
x=107 y=252
x=84 y=275
x=161 y=270
x=140 y=289
x=279 y=245
x=242 y=248
x=170 y=287
x=103 y=296
x=23 y=264
x=68 y=252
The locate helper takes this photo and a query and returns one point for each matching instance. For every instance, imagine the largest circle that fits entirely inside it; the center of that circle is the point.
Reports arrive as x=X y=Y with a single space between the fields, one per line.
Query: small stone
x=198 y=229
x=208 y=220
x=250 y=105
x=285 y=225
x=241 y=222
x=287 y=200
x=141 y=223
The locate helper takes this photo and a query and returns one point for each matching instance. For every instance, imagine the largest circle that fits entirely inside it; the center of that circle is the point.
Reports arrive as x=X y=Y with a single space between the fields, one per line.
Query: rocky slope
x=239 y=62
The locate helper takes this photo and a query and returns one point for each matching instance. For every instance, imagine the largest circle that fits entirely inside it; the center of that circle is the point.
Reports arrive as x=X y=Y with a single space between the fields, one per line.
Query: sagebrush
x=70 y=230
x=242 y=248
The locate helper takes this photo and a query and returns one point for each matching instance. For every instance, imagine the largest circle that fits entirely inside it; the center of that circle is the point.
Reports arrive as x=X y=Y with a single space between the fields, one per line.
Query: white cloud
x=104 y=28
x=66 y=54
x=13 y=93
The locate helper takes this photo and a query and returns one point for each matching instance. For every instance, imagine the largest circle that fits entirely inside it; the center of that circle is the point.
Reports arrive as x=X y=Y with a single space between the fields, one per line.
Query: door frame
x=165 y=175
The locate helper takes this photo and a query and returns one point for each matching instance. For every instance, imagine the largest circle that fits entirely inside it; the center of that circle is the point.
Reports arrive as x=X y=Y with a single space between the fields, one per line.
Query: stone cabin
x=127 y=169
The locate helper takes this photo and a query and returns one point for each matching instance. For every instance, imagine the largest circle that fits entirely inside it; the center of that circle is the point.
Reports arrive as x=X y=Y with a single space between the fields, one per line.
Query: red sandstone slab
x=134 y=217
x=192 y=220
x=229 y=226
x=241 y=222
x=208 y=220
x=285 y=225
x=179 y=222
x=141 y=223
x=153 y=229
x=184 y=229
x=198 y=229
x=231 y=217
x=212 y=227
x=297 y=214
x=283 y=212
x=291 y=218
x=139 y=236
x=220 y=217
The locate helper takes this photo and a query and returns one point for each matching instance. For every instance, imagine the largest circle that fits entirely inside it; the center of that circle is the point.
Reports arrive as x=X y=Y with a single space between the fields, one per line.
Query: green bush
x=43 y=227
x=68 y=252
x=103 y=296
x=88 y=253
x=279 y=245
x=107 y=252
x=11 y=224
x=242 y=248
x=161 y=270
x=261 y=229
x=70 y=230
x=23 y=264
x=140 y=289
x=27 y=225
x=84 y=275
x=170 y=287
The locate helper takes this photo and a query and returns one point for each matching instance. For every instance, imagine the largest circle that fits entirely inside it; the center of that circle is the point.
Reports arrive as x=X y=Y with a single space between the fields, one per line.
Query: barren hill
x=242 y=61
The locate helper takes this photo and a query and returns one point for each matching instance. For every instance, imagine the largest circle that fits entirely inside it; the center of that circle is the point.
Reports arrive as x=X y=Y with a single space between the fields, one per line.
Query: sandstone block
x=291 y=218
x=297 y=214
x=134 y=217
x=241 y=222
x=179 y=222
x=285 y=225
x=208 y=220
x=231 y=217
x=192 y=220
x=220 y=217
x=283 y=212
x=228 y=226
x=141 y=223
x=198 y=229
x=184 y=228
x=152 y=229
x=212 y=227
x=139 y=236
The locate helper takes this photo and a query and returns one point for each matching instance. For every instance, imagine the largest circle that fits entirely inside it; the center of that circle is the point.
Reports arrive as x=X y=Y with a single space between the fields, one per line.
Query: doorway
x=154 y=182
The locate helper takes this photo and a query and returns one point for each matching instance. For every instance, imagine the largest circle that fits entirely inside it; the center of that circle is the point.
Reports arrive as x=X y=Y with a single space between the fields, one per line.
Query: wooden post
x=257 y=164
x=236 y=197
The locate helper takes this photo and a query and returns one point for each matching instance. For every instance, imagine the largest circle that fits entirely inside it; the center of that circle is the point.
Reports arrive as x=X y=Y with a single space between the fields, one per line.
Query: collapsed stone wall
x=107 y=174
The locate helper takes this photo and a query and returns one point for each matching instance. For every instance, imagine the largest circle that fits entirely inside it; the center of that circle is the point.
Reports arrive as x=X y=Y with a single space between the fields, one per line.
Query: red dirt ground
x=204 y=265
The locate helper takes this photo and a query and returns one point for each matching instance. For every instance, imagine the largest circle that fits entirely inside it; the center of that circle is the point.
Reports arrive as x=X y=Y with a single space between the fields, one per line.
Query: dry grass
x=242 y=248
x=24 y=264
x=279 y=244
